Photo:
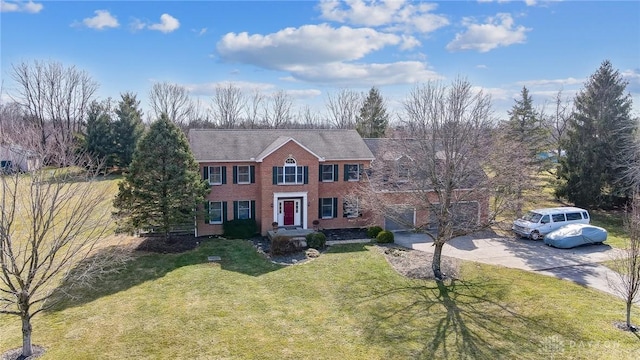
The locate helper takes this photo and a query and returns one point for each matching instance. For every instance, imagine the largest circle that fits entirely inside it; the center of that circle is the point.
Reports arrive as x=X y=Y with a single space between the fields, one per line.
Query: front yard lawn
x=346 y=304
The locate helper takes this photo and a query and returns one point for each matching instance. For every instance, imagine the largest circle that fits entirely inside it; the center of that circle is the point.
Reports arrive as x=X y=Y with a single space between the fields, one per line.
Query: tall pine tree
x=163 y=186
x=601 y=131
x=99 y=138
x=127 y=129
x=526 y=132
x=373 y=119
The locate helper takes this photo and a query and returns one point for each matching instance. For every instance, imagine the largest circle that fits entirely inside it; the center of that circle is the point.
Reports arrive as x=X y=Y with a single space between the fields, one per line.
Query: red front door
x=288 y=213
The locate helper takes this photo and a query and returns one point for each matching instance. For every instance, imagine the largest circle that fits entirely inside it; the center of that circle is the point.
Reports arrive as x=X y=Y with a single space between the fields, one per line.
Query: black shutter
x=346 y=172
x=235 y=209
x=319 y=208
x=360 y=171
x=253 y=209
x=305 y=171
x=205 y=173
x=224 y=174
x=275 y=175
x=224 y=211
x=252 y=174
x=207 y=219
x=235 y=175
x=320 y=168
x=335 y=172
x=335 y=207
x=344 y=208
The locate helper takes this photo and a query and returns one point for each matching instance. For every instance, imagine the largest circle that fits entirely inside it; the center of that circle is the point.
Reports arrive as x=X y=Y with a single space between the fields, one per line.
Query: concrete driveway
x=580 y=265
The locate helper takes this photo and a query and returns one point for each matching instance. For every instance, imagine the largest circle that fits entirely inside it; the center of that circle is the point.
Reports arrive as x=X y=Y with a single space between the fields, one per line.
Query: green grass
x=347 y=304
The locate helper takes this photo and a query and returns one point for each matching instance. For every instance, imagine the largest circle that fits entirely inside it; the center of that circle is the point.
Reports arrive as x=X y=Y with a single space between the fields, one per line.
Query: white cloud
x=396 y=14
x=552 y=82
x=103 y=19
x=166 y=25
x=528 y=2
x=366 y=75
x=209 y=89
x=20 y=6
x=136 y=25
x=310 y=44
x=498 y=31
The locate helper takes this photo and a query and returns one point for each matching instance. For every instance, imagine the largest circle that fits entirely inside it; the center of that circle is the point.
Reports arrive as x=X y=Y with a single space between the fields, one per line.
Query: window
x=216 y=212
x=290 y=173
x=215 y=175
x=545 y=220
x=328 y=173
x=557 y=217
x=352 y=172
x=574 y=216
x=403 y=170
x=244 y=175
x=350 y=208
x=243 y=210
x=328 y=208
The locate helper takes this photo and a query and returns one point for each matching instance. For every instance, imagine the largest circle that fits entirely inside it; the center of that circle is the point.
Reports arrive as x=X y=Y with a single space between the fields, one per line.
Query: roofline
x=254 y=160
x=283 y=144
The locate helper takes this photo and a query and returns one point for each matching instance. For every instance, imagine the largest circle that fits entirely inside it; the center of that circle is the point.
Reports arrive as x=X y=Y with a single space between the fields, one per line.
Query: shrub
x=316 y=240
x=240 y=228
x=384 y=237
x=373 y=231
x=282 y=245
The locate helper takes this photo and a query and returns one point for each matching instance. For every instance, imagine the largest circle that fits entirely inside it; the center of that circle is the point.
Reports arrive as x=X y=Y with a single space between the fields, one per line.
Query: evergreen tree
x=524 y=130
x=373 y=119
x=128 y=129
x=524 y=125
x=601 y=129
x=163 y=185
x=99 y=139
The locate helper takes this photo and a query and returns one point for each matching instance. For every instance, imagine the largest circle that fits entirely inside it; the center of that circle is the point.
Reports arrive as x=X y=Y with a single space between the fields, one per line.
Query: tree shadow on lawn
x=236 y=255
x=423 y=319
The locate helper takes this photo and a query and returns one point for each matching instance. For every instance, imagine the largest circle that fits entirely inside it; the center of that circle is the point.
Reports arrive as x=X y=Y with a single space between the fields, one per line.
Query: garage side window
x=558 y=217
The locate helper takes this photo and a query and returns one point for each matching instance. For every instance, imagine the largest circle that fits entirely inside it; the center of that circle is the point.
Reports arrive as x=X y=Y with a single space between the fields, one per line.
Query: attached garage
x=464 y=215
x=404 y=220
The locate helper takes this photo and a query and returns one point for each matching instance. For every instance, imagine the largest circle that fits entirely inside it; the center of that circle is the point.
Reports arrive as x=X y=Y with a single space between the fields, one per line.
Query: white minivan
x=537 y=223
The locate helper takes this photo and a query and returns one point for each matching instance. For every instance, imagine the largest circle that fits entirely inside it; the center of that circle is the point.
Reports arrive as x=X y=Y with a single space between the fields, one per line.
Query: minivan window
x=558 y=217
x=574 y=216
x=532 y=217
x=585 y=215
x=545 y=220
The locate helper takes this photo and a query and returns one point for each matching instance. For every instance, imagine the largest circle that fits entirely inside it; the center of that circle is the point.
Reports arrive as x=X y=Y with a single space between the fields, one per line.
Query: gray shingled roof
x=250 y=145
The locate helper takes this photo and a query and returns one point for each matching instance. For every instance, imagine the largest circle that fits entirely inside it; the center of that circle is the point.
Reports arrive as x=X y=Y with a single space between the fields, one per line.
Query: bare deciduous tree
x=173 y=100
x=278 y=112
x=228 y=105
x=437 y=165
x=626 y=263
x=344 y=108
x=54 y=95
x=558 y=120
x=255 y=109
x=50 y=221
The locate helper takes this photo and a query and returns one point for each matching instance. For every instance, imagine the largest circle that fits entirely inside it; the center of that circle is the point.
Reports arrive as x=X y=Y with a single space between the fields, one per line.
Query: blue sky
x=312 y=50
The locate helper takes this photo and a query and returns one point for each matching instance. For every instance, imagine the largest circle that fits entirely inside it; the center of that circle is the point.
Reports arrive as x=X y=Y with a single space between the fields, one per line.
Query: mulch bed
x=176 y=244
x=16 y=354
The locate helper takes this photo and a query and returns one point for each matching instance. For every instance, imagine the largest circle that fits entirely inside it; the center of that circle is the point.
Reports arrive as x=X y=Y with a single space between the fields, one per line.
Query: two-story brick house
x=291 y=177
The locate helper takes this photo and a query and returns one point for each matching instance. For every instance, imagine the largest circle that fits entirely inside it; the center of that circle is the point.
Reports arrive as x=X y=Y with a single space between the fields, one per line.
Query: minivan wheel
x=535 y=235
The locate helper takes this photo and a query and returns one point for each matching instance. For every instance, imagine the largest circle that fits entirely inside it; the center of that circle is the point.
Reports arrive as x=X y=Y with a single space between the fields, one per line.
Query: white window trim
x=332 y=214
x=211 y=172
x=332 y=173
x=248 y=208
x=357 y=208
x=299 y=172
x=248 y=167
x=211 y=221
x=357 y=172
